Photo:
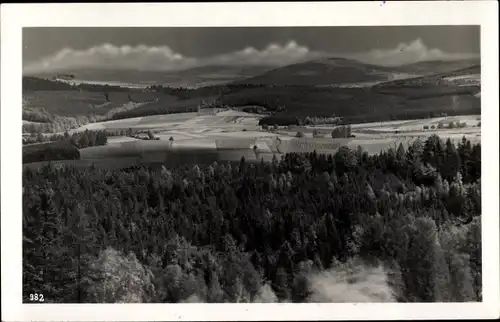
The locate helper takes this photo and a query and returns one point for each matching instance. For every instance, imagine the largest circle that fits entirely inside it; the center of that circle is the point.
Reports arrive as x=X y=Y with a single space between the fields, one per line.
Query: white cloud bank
x=150 y=58
x=407 y=53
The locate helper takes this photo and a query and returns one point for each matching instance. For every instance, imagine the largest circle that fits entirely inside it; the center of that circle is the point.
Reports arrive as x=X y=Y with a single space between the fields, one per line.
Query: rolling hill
x=212 y=75
x=437 y=66
x=191 y=78
x=324 y=72
x=337 y=72
x=359 y=92
x=464 y=77
x=358 y=105
x=342 y=72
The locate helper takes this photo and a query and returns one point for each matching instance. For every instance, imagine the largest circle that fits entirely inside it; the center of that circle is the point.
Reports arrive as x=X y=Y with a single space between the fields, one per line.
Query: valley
x=383 y=106
x=332 y=164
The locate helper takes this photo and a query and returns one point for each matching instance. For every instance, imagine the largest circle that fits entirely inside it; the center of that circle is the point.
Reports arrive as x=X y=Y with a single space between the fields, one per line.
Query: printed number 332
x=36 y=297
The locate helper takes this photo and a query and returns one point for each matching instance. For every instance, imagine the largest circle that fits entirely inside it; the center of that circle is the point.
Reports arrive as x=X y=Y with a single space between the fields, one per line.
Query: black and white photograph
x=252 y=164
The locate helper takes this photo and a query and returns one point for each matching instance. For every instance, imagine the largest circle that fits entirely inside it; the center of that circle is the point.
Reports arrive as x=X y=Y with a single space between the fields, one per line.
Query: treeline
x=157 y=109
x=211 y=90
x=179 y=92
x=356 y=105
x=51 y=151
x=57 y=123
x=285 y=120
x=61 y=147
x=259 y=232
x=320 y=120
x=39 y=115
x=41 y=84
x=103 y=88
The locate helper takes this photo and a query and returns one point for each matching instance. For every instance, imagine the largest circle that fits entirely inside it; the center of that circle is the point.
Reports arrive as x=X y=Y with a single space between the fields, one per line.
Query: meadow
x=229 y=135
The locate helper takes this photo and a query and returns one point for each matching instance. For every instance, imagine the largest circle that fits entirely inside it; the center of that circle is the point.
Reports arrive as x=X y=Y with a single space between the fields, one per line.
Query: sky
x=168 y=48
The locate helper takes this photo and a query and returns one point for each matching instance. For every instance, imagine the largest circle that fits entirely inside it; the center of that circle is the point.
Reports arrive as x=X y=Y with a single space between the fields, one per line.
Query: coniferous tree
x=241 y=231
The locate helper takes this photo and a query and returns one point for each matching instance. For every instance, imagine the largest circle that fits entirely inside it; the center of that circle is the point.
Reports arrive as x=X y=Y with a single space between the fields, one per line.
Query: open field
x=417 y=125
x=191 y=121
x=227 y=130
x=454 y=93
x=221 y=138
x=230 y=134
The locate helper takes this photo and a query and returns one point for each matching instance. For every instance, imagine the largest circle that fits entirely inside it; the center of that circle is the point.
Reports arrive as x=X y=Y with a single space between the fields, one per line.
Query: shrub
x=341 y=131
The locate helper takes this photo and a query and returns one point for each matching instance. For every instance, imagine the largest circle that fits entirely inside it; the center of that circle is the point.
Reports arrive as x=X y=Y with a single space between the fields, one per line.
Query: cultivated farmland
x=229 y=135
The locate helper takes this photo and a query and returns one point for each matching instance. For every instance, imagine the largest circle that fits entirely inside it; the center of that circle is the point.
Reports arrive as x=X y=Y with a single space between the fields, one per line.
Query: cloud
x=273 y=54
x=142 y=57
x=407 y=53
x=108 y=56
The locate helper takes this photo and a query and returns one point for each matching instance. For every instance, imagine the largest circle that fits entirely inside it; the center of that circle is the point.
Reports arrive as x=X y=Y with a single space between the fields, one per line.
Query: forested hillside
x=60 y=107
x=398 y=226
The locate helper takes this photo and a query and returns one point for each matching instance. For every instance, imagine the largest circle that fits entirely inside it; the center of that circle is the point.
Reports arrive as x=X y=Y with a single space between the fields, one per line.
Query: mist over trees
x=405 y=224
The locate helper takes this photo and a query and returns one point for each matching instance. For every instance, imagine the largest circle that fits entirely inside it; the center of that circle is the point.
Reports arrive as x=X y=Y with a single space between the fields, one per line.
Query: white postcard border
x=16 y=16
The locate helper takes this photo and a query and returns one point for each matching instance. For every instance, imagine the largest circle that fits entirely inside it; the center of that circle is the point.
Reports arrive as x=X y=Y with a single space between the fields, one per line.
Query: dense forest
x=50 y=151
x=403 y=225
x=39 y=122
x=357 y=105
x=61 y=147
x=79 y=139
x=289 y=104
x=41 y=84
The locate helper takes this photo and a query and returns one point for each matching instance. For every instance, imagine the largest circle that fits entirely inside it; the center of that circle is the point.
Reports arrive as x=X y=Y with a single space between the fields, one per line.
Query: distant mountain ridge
x=438 y=66
x=468 y=76
x=335 y=71
x=323 y=72
x=192 y=77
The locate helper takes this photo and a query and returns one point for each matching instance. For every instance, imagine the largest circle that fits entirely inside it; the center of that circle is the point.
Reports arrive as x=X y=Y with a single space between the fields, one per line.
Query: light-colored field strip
x=120 y=139
x=224 y=133
x=416 y=124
